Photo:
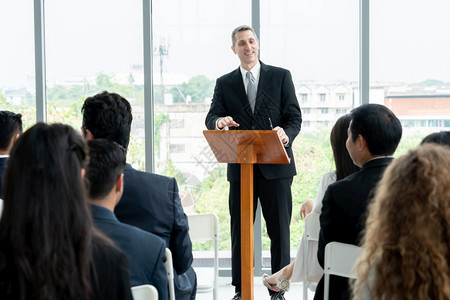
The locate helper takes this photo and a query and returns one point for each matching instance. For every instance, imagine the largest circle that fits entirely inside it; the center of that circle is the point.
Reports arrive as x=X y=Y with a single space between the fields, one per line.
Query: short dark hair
x=441 y=137
x=107 y=160
x=379 y=126
x=10 y=124
x=108 y=116
x=240 y=29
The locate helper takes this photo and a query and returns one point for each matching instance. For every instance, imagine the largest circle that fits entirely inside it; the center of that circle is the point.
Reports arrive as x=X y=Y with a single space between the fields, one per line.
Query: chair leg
x=326 y=288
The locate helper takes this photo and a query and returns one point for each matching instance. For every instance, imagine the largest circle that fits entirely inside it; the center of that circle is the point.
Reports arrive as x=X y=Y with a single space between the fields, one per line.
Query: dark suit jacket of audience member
x=151 y=202
x=2 y=169
x=145 y=251
x=110 y=269
x=343 y=217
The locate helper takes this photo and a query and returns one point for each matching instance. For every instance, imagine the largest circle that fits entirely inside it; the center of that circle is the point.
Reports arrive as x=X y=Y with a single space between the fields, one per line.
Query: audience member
x=373 y=135
x=144 y=250
x=344 y=167
x=149 y=201
x=10 y=129
x=441 y=137
x=406 y=245
x=48 y=247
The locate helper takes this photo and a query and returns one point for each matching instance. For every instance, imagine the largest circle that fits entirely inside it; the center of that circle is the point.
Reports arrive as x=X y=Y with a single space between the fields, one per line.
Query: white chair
x=144 y=292
x=205 y=227
x=312 y=229
x=340 y=260
x=169 y=270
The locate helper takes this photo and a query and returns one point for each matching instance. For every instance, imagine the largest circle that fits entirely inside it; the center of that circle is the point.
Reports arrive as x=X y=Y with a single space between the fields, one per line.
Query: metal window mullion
x=364 y=34
x=39 y=57
x=148 y=86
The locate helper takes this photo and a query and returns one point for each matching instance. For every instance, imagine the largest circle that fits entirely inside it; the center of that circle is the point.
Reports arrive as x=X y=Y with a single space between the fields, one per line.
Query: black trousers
x=276 y=204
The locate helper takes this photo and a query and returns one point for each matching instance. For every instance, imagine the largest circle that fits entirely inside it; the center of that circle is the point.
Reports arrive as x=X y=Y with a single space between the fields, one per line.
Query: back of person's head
x=342 y=160
x=379 y=126
x=407 y=238
x=106 y=163
x=10 y=125
x=441 y=137
x=45 y=228
x=108 y=116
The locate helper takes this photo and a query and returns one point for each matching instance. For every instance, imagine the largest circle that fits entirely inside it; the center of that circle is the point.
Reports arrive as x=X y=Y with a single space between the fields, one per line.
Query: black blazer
x=151 y=202
x=275 y=100
x=343 y=217
x=145 y=251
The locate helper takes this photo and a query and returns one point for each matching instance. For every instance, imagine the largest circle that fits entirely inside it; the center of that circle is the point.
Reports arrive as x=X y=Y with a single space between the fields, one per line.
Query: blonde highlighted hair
x=407 y=237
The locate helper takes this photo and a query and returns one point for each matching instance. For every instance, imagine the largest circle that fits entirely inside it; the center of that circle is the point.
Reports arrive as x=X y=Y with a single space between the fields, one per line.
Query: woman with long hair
x=48 y=247
x=406 y=244
x=344 y=167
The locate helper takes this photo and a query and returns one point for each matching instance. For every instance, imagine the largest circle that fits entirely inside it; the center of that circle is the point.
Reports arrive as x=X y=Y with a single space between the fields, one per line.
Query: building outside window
x=322 y=97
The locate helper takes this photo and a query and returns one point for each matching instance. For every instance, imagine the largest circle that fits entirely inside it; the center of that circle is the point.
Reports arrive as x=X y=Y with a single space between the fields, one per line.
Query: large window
x=410 y=62
x=317 y=40
x=192 y=47
x=94 y=46
x=17 y=87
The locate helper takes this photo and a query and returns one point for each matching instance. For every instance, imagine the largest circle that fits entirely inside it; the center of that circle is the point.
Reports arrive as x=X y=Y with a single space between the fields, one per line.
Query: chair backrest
x=311 y=233
x=169 y=270
x=144 y=292
x=340 y=260
x=312 y=227
x=202 y=228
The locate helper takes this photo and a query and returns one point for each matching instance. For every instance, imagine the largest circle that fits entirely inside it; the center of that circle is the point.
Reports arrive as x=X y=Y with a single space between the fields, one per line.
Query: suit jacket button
x=253 y=127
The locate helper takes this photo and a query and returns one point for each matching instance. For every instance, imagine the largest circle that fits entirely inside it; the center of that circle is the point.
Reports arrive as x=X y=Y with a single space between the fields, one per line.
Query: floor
x=226 y=291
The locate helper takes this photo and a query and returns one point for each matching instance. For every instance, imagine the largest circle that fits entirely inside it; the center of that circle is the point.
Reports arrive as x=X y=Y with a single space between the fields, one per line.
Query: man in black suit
x=145 y=251
x=10 y=130
x=149 y=201
x=256 y=96
x=373 y=135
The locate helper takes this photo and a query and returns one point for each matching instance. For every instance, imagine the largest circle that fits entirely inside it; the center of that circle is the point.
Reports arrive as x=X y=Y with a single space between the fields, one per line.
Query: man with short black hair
x=373 y=136
x=149 y=201
x=145 y=251
x=10 y=130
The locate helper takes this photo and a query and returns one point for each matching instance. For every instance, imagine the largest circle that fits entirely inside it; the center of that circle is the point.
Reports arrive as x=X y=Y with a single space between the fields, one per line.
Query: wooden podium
x=247 y=147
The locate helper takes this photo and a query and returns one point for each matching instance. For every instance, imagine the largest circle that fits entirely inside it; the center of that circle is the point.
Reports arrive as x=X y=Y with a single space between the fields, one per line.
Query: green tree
x=103 y=81
x=198 y=88
x=2 y=100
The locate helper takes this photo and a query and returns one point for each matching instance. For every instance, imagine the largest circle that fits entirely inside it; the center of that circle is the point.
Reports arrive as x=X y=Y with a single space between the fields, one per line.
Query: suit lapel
x=264 y=79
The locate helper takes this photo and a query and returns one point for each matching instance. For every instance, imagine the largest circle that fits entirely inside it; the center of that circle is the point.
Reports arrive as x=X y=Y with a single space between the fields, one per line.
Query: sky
x=317 y=40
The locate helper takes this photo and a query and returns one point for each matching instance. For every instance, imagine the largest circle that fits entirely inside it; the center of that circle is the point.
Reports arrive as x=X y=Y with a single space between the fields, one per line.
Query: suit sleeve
x=327 y=224
x=217 y=109
x=291 y=114
x=180 y=242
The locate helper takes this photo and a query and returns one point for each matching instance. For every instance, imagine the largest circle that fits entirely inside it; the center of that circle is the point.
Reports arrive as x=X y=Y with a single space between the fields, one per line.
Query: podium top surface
x=265 y=143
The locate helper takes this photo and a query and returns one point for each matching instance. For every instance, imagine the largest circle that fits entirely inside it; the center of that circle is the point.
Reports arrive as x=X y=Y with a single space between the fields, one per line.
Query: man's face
x=246 y=48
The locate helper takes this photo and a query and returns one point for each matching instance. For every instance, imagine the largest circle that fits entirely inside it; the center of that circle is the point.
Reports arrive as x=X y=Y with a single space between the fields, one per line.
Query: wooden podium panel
x=267 y=145
x=247 y=147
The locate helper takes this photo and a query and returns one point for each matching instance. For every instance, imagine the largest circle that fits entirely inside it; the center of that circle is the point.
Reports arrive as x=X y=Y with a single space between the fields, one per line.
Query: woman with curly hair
x=407 y=239
x=48 y=246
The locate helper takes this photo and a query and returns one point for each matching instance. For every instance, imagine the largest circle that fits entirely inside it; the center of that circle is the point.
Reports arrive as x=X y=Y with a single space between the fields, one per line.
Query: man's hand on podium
x=226 y=122
x=282 y=135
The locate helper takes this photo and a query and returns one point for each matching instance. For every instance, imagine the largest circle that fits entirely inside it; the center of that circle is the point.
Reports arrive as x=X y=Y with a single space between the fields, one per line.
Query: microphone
x=268 y=114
